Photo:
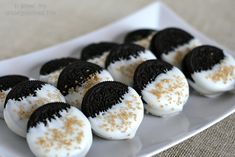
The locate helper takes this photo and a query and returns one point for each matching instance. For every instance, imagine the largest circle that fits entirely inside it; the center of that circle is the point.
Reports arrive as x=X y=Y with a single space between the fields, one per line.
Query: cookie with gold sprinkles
x=58 y=129
x=23 y=99
x=123 y=60
x=140 y=37
x=78 y=77
x=172 y=44
x=7 y=82
x=209 y=70
x=162 y=86
x=114 y=110
x=51 y=70
x=97 y=52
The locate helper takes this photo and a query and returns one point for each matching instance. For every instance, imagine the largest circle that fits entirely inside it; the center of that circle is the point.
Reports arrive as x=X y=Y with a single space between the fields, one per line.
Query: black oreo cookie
x=102 y=97
x=168 y=39
x=201 y=58
x=24 y=89
x=75 y=75
x=46 y=113
x=96 y=49
x=138 y=34
x=56 y=64
x=123 y=51
x=9 y=81
x=148 y=71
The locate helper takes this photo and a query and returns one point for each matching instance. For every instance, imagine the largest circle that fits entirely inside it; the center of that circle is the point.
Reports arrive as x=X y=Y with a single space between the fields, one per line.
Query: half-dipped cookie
x=114 y=110
x=97 y=52
x=162 y=86
x=78 y=77
x=123 y=60
x=58 y=129
x=6 y=84
x=140 y=37
x=209 y=70
x=172 y=44
x=23 y=99
x=51 y=70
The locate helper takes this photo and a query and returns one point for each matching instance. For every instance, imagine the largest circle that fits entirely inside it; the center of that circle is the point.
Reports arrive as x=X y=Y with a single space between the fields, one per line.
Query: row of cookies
x=153 y=75
x=37 y=110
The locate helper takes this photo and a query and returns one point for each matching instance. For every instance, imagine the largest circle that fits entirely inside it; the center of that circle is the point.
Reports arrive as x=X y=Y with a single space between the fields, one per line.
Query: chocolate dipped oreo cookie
x=114 y=110
x=58 y=129
x=209 y=70
x=6 y=84
x=140 y=37
x=123 y=60
x=172 y=44
x=162 y=86
x=97 y=52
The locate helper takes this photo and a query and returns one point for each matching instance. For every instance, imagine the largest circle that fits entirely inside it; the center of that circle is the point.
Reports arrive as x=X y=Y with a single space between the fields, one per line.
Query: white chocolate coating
x=99 y=60
x=66 y=136
x=219 y=79
x=51 y=78
x=176 y=56
x=75 y=96
x=122 y=120
x=3 y=95
x=167 y=94
x=17 y=113
x=123 y=70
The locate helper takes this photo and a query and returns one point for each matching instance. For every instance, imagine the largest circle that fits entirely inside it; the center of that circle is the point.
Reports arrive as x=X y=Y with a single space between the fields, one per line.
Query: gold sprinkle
x=129 y=70
x=80 y=137
x=24 y=113
x=52 y=78
x=70 y=122
x=180 y=53
x=167 y=87
x=119 y=120
x=92 y=80
x=57 y=137
x=2 y=95
x=178 y=58
x=224 y=73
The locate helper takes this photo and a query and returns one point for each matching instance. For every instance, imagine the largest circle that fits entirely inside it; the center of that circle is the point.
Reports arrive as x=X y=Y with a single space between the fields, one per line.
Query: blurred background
x=29 y=25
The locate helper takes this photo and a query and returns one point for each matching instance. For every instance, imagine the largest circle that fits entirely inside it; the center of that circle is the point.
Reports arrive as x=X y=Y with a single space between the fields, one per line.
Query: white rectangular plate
x=155 y=134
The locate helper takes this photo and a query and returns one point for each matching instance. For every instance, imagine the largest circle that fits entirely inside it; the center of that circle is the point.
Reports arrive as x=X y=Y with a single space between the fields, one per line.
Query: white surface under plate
x=155 y=134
